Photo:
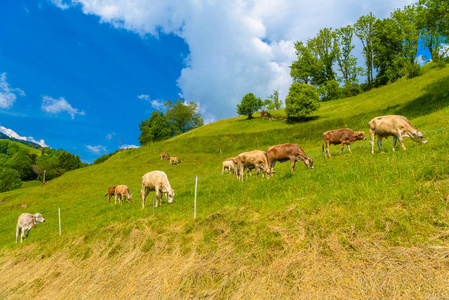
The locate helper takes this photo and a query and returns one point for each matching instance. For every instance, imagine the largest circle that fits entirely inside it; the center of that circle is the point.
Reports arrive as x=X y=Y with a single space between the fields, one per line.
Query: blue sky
x=81 y=74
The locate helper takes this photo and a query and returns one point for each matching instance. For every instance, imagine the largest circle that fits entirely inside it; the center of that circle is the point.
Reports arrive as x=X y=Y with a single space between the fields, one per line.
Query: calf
x=110 y=193
x=284 y=152
x=122 y=191
x=175 y=160
x=228 y=165
x=165 y=156
x=25 y=222
x=395 y=126
x=156 y=181
x=340 y=136
x=253 y=159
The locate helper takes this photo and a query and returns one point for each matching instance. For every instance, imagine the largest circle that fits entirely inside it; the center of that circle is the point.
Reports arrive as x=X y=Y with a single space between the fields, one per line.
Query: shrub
x=302 y=100
x=249 y=105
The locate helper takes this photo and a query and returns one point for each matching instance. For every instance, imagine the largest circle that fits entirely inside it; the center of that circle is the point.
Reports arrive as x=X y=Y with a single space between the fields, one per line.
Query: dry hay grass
x=326 y=269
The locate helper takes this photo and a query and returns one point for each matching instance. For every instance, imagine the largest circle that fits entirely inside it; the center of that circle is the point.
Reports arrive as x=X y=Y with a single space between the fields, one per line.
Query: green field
x=356 y=226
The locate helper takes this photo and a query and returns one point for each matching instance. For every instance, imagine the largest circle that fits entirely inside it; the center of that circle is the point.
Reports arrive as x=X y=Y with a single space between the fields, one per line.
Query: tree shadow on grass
x=293 y=120
x=436 y=97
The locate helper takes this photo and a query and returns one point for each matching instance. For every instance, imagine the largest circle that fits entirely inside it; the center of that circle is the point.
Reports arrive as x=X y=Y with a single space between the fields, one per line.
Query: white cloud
x=8 y=95
x=97 y=149
x=60 y=4
x=157 y=104
x=144 y=97
x=128 y=146
x=56 y=106
x=11 y=133
x=444 y=50
x=236 y=46
x=110 y=136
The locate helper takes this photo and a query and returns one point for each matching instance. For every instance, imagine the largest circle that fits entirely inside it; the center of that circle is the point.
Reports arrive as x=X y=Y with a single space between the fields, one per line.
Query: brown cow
x=122 y=191
x=174 y=160
x=254 y=159
x=110 y=193
x=395 y=126
x=284 y=152
x=341 y=136
x=165 y=156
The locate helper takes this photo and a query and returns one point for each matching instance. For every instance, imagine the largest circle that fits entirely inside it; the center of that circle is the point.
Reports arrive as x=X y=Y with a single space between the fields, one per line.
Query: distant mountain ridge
x=27 y=143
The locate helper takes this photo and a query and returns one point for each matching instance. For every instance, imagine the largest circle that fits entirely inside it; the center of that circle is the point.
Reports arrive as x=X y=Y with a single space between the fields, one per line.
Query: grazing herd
x=262 y=161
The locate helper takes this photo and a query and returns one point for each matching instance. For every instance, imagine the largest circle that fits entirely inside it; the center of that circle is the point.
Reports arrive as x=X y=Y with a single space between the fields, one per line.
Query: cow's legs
x=402 y=142
x=349 y=148
x=371 y=139
x=115 y=202
x=292 y=163
x=379 y=143
x=17 y=232
x=342 y=147
x=158 y=194
x=144 y=192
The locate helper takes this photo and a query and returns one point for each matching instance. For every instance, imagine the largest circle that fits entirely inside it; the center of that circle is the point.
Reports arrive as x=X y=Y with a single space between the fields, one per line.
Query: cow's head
x=130 y=196
x=170 y=194
x=418 y=137
x=360 y=135
x=268 y=171
x=309 y=162
x=38 y=218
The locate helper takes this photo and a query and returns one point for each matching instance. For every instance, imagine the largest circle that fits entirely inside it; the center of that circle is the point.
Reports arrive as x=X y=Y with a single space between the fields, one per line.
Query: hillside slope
x=356 y=226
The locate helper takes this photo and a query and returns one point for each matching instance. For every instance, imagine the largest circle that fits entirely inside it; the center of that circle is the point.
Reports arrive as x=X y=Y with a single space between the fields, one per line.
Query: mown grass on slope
x=392 y=199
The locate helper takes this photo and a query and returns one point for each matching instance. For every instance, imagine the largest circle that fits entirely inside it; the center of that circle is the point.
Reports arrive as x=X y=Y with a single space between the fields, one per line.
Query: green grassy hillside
x=356 y=226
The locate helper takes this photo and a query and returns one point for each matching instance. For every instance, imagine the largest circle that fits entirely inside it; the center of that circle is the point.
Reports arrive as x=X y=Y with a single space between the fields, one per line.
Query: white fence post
x=194 y=207
x=153 y=206
x=59 y=214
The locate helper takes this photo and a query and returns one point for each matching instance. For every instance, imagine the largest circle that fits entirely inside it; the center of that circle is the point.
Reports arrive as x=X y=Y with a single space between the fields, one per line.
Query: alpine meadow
x=355 y=226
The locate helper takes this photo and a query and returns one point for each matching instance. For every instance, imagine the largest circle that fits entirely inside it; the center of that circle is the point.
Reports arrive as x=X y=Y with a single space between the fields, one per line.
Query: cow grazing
x=110 y=193
x=284 y=152
x=122 y=191
x=175 y=160
x=25 y=222
x=156 y=181
x=253 y=159
x=341 y=136
x=228 y=165
x=165 y=156
x=395 y=126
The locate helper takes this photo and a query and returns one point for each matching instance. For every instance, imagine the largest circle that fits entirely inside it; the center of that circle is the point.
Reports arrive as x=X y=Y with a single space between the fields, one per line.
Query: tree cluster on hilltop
x=326 y=65
x=178 y=118
x=17 y=164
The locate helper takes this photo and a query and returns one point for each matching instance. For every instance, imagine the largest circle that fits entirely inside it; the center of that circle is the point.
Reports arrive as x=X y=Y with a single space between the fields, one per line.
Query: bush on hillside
x=249 y=105
x=302 y=100
x=330 y=90
x=9 y=180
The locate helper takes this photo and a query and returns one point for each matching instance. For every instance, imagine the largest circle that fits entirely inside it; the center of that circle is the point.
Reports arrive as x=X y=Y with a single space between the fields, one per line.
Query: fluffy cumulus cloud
x=126 y=146
x=97 y=149
x=236 y=46
x=11 y=133
x=8 y=95
x=56 y=106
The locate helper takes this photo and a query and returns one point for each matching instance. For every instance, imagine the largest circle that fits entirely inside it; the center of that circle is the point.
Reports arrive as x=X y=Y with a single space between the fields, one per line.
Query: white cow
x=156 y=181
x=25 y=222
x=395 y=126
x=228 y=165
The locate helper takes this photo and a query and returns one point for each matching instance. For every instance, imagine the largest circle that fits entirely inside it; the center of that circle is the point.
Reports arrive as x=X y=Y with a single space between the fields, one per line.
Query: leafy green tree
x=387 y=48
x=183 y=116
x=433 y=22
x=315 y=59
x=249 y=105
x=274 y=102
x=302 y=100
x=9 y=180
x=347 y=63
x=157 y=128
x=22 y=163
x=68 y=161
x=306 y=68
x=364 y=30
x=330 y=90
